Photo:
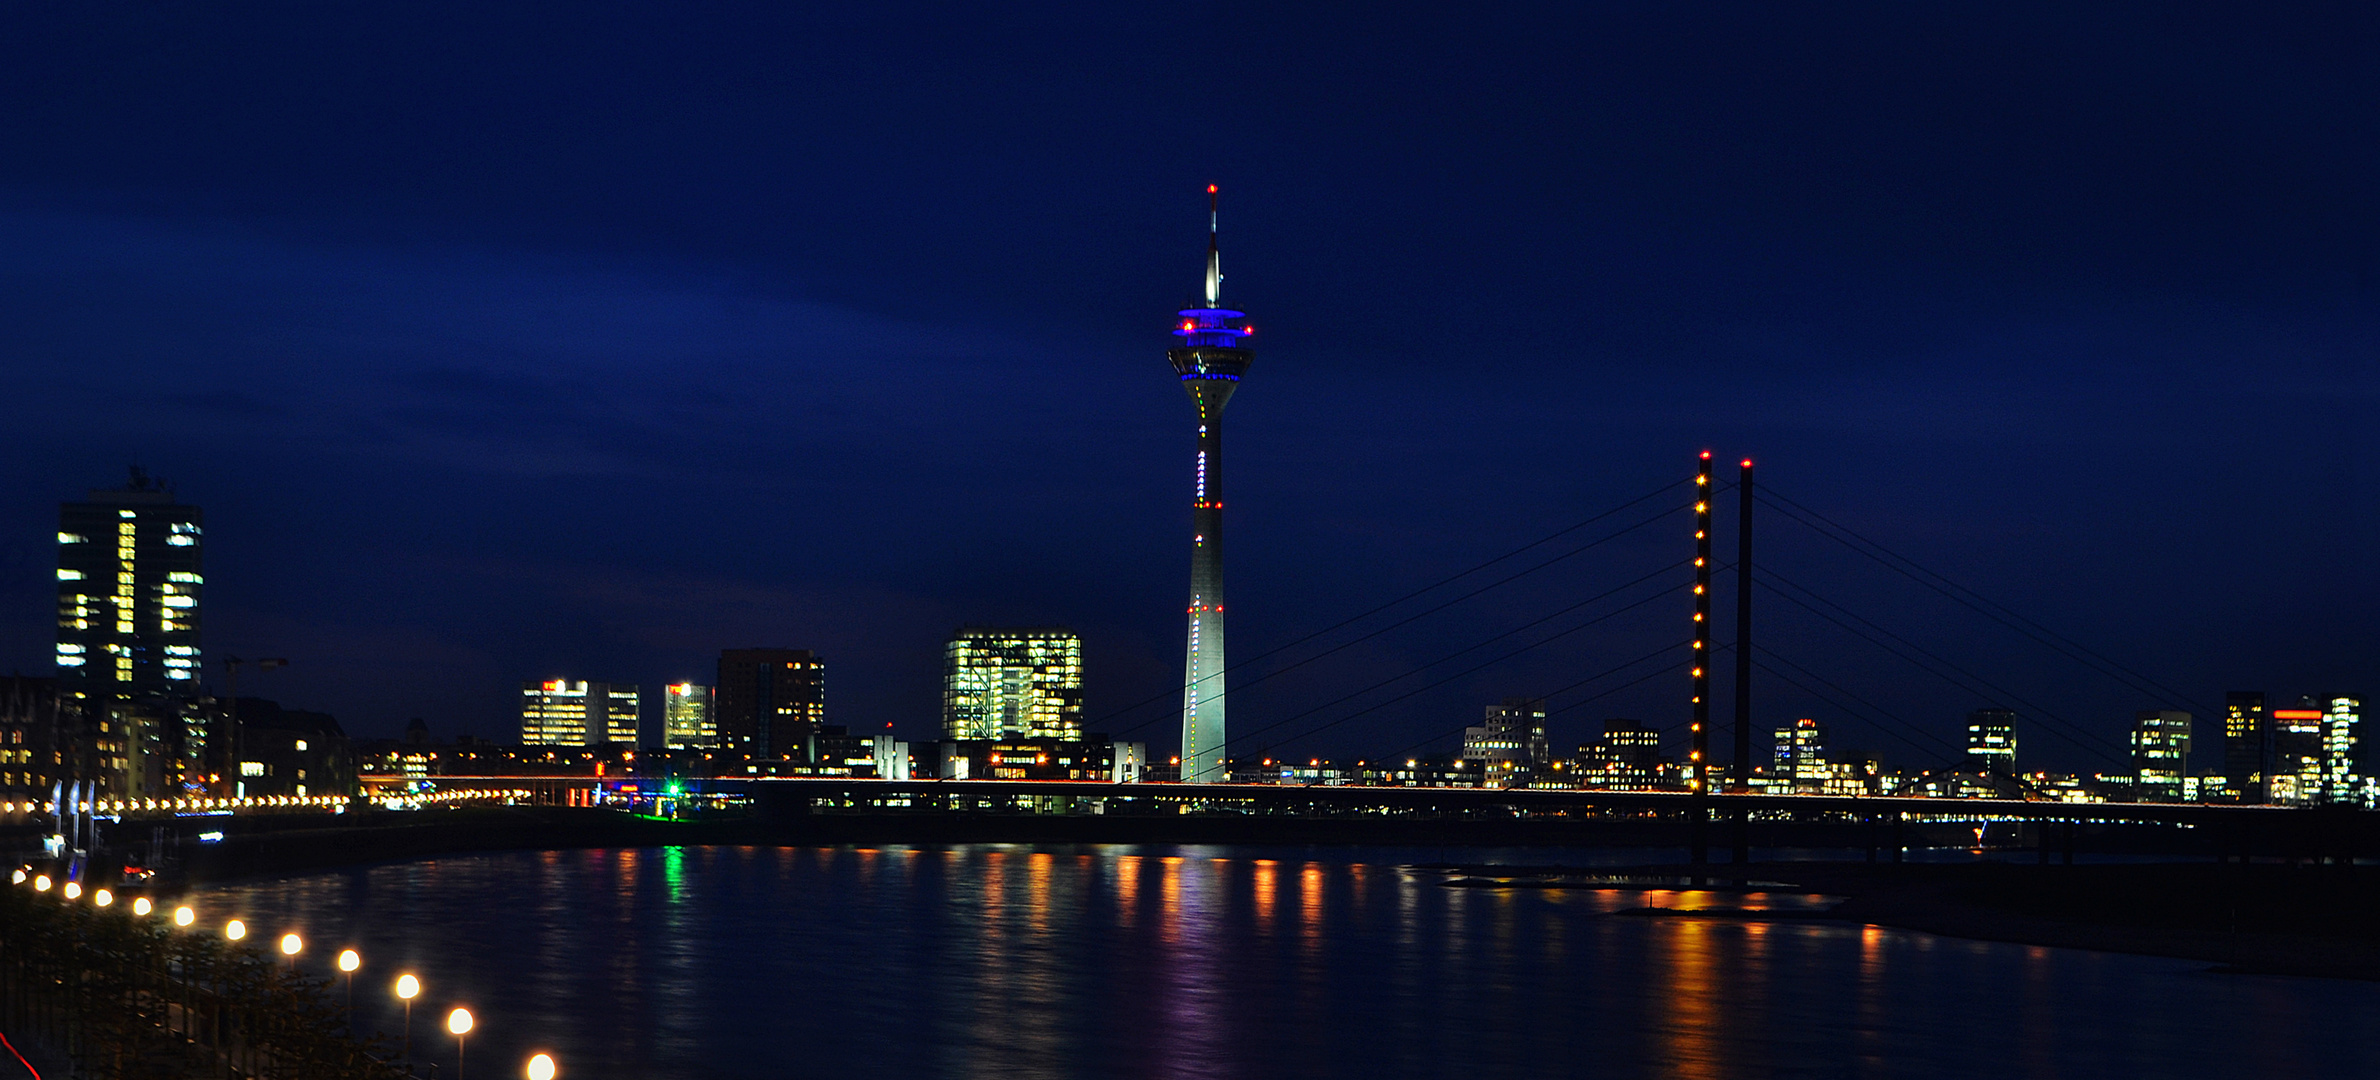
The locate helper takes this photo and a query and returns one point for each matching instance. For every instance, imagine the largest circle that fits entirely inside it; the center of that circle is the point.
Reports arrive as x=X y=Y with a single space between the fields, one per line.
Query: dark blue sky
x=512 y=341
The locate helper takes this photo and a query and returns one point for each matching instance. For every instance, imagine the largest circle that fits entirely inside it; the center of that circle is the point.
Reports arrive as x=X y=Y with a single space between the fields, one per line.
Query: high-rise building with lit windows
x=1022 y=683
x=2342 y=738
x=2247 y=745
x=129 y=669
x=770 y=703
x=2298 y=758
x=129 y=585
x=1800 y=757
x=565 y=712
x=686 y=719
x=1509 y=743
x=2160 y=753
x=1991 y=741
x=1210 y=361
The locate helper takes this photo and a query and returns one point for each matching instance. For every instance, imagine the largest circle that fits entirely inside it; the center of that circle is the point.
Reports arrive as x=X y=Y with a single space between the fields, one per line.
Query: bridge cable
x=1614 y=613
x=1976 y=601
x=2073 y=733
x=1590 y=545
x=1588 y=700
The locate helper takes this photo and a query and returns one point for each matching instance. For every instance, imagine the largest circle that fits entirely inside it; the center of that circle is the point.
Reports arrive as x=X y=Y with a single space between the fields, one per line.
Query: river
x=1120 y=961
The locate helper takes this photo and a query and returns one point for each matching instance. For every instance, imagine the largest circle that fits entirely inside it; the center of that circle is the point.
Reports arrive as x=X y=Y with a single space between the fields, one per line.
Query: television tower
x=1210 y=360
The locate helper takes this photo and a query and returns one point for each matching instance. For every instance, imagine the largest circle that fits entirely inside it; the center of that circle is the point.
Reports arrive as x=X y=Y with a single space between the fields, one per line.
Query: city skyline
x=473 y=428
x=647 y=540
x=1026 y=683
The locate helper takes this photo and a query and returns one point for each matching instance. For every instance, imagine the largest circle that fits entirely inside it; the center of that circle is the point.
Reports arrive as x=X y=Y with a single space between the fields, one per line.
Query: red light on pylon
x=1210 y=189
x=1706 y=455
x=1747 y=463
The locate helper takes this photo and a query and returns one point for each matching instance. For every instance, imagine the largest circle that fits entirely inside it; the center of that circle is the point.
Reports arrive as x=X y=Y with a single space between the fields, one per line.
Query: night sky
x=506 y=341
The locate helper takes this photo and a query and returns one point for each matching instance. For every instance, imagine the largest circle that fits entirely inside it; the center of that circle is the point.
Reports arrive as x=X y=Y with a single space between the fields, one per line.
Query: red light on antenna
x=1706 y=455
x=1747 y=463
x=1210 y=189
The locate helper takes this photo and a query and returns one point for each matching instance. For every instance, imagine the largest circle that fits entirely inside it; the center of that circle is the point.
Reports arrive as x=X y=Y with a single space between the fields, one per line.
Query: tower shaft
x=1203 y=729
x=1210 y=361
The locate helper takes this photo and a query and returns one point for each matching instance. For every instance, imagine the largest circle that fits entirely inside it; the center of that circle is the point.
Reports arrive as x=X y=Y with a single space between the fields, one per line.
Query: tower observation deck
x=1210 y=360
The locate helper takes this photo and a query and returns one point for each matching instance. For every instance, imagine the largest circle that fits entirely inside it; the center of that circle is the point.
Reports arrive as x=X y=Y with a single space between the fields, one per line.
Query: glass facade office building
x=686 y=719
x=562 y=712
x=129 y=587
x=1023 y=683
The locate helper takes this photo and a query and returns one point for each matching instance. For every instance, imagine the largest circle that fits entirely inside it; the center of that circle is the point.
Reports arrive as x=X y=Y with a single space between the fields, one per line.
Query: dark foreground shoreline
x=2264 y=918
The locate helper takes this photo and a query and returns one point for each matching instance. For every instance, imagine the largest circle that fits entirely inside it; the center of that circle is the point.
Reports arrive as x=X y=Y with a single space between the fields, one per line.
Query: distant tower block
x=1210 y=361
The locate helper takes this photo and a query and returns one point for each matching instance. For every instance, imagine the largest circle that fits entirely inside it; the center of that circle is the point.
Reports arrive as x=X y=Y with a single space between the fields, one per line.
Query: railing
x=127 y=996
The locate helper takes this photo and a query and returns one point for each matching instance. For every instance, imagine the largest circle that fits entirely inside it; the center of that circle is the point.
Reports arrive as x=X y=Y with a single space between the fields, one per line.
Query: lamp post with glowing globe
x=408 y=988
x=459 y=1022
x=348 y=962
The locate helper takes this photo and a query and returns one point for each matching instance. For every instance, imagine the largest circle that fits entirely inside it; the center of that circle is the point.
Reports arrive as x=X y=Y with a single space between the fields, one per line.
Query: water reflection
x=1148 y=962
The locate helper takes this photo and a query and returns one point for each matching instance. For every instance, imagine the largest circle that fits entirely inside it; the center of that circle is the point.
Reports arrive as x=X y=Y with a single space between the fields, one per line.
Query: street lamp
x=541 y=1067
x=235 y=930
x=183 y=916
x=348 y=962
x=290 y=944
x=408 y=988
x=103 y=898
x=459 y=1022
x=73 y=890
x=142 y=906
x=41 y=883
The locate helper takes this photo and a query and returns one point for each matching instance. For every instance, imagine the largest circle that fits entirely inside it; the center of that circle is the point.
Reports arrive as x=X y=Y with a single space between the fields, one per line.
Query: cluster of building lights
x=256 y=802
x=138 y=806
x=431 y=798
x=459 y=1022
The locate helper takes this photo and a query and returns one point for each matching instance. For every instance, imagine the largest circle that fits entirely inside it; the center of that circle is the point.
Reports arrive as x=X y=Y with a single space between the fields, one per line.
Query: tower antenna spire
x=1212 y=358
x=1214 y=248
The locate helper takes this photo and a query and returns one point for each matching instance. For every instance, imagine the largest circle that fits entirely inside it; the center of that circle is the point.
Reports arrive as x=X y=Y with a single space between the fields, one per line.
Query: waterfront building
x=42 y=743
x=1851 y=773
x=686 y=720
x=129 y=590
x=2342 y=736
x=770 y=703
x=1800 y=758
x=2160 y=754
x=2298 y=762
x=564 y=712
x=1094 y=758
x=2247 y=745
x=1626 y=757
x=1991 y=741
x=892 y=758
x=1210 y=362
x=1020 y=683
x=1509 y=745
x=291 y=752
x=129 y=586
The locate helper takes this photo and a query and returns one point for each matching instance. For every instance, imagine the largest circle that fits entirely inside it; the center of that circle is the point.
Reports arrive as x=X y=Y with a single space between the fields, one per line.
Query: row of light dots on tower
x=541 y=1066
